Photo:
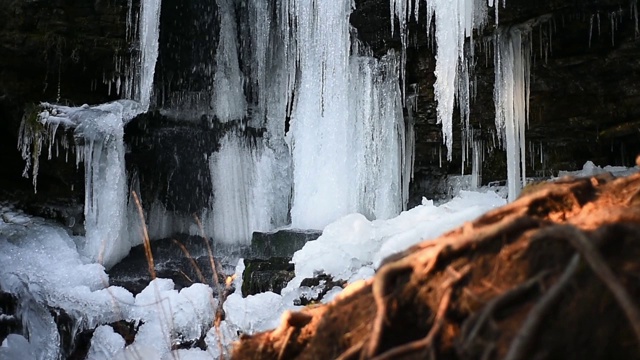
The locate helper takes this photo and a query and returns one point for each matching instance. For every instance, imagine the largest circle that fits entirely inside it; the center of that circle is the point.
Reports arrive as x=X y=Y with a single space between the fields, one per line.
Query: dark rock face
x=58 y=51
x=268 y=267
x=585 y=102
x=9 y=321
x=281 y=243
x=266 y=275
x=183 y=259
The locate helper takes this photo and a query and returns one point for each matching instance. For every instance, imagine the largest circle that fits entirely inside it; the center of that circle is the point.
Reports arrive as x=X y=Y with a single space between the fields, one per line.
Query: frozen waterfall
x=337 y=110
x=347 y=130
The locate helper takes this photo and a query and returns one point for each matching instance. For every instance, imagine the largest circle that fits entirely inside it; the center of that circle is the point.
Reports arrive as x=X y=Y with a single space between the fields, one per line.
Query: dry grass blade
x=191 y=260
x=145 y=237
x=212 y=260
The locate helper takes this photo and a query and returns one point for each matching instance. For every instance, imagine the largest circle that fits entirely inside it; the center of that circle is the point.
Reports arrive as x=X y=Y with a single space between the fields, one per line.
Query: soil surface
x=553 y=275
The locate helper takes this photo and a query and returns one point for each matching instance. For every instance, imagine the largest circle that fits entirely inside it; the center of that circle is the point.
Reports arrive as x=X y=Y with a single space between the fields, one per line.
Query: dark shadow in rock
x=172 y=262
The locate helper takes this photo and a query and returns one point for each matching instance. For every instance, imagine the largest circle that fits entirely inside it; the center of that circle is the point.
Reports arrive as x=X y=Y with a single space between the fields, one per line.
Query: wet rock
x=281 y=243
x=266 y=275
x=183 y=259
x=57 y=51
x=82 y=341
x=70 y=214
x=321 y=285
x=9 y=321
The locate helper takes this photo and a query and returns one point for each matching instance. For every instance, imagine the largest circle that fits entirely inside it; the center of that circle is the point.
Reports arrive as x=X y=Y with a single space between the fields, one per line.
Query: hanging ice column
x=347 y=142
x=228 y=96
x=511 y=96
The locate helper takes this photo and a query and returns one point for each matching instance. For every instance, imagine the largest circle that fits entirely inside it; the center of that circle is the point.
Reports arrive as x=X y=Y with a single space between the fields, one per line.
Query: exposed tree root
x=526 y=334
x=520 y=292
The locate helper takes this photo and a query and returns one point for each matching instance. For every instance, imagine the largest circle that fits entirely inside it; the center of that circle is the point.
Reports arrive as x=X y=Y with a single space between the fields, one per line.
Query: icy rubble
x=351 y=248
x=591 y=169
x=40 y=263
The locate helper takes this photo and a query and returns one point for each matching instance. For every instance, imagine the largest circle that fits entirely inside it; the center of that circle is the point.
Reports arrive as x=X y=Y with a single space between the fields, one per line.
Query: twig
x=192 y=261
x=212 y=261
x=145 y=238
x=221 y=296
x=352 y=351
x=285 y=343
x=522 y=341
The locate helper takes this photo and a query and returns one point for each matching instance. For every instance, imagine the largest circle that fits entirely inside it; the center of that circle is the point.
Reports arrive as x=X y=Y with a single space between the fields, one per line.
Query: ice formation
x=228 y=95
x=98 y=132
x=347 y=133
x=251 y=189
x=143 y=30
x=454 y=24
x=511 y=96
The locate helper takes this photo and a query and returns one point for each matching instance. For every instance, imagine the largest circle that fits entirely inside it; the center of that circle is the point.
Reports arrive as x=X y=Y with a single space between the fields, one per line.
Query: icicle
x=149 y=35
x=598 y=21
x=590 y=30
x=512 y=71
x=476 y=165
x=634 y=14
x=228 y=101
x=459 y=18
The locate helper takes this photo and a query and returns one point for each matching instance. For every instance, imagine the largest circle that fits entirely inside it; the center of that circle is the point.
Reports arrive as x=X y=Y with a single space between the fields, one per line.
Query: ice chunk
x=17 y=347
x=249 y=313
x=105 y=343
